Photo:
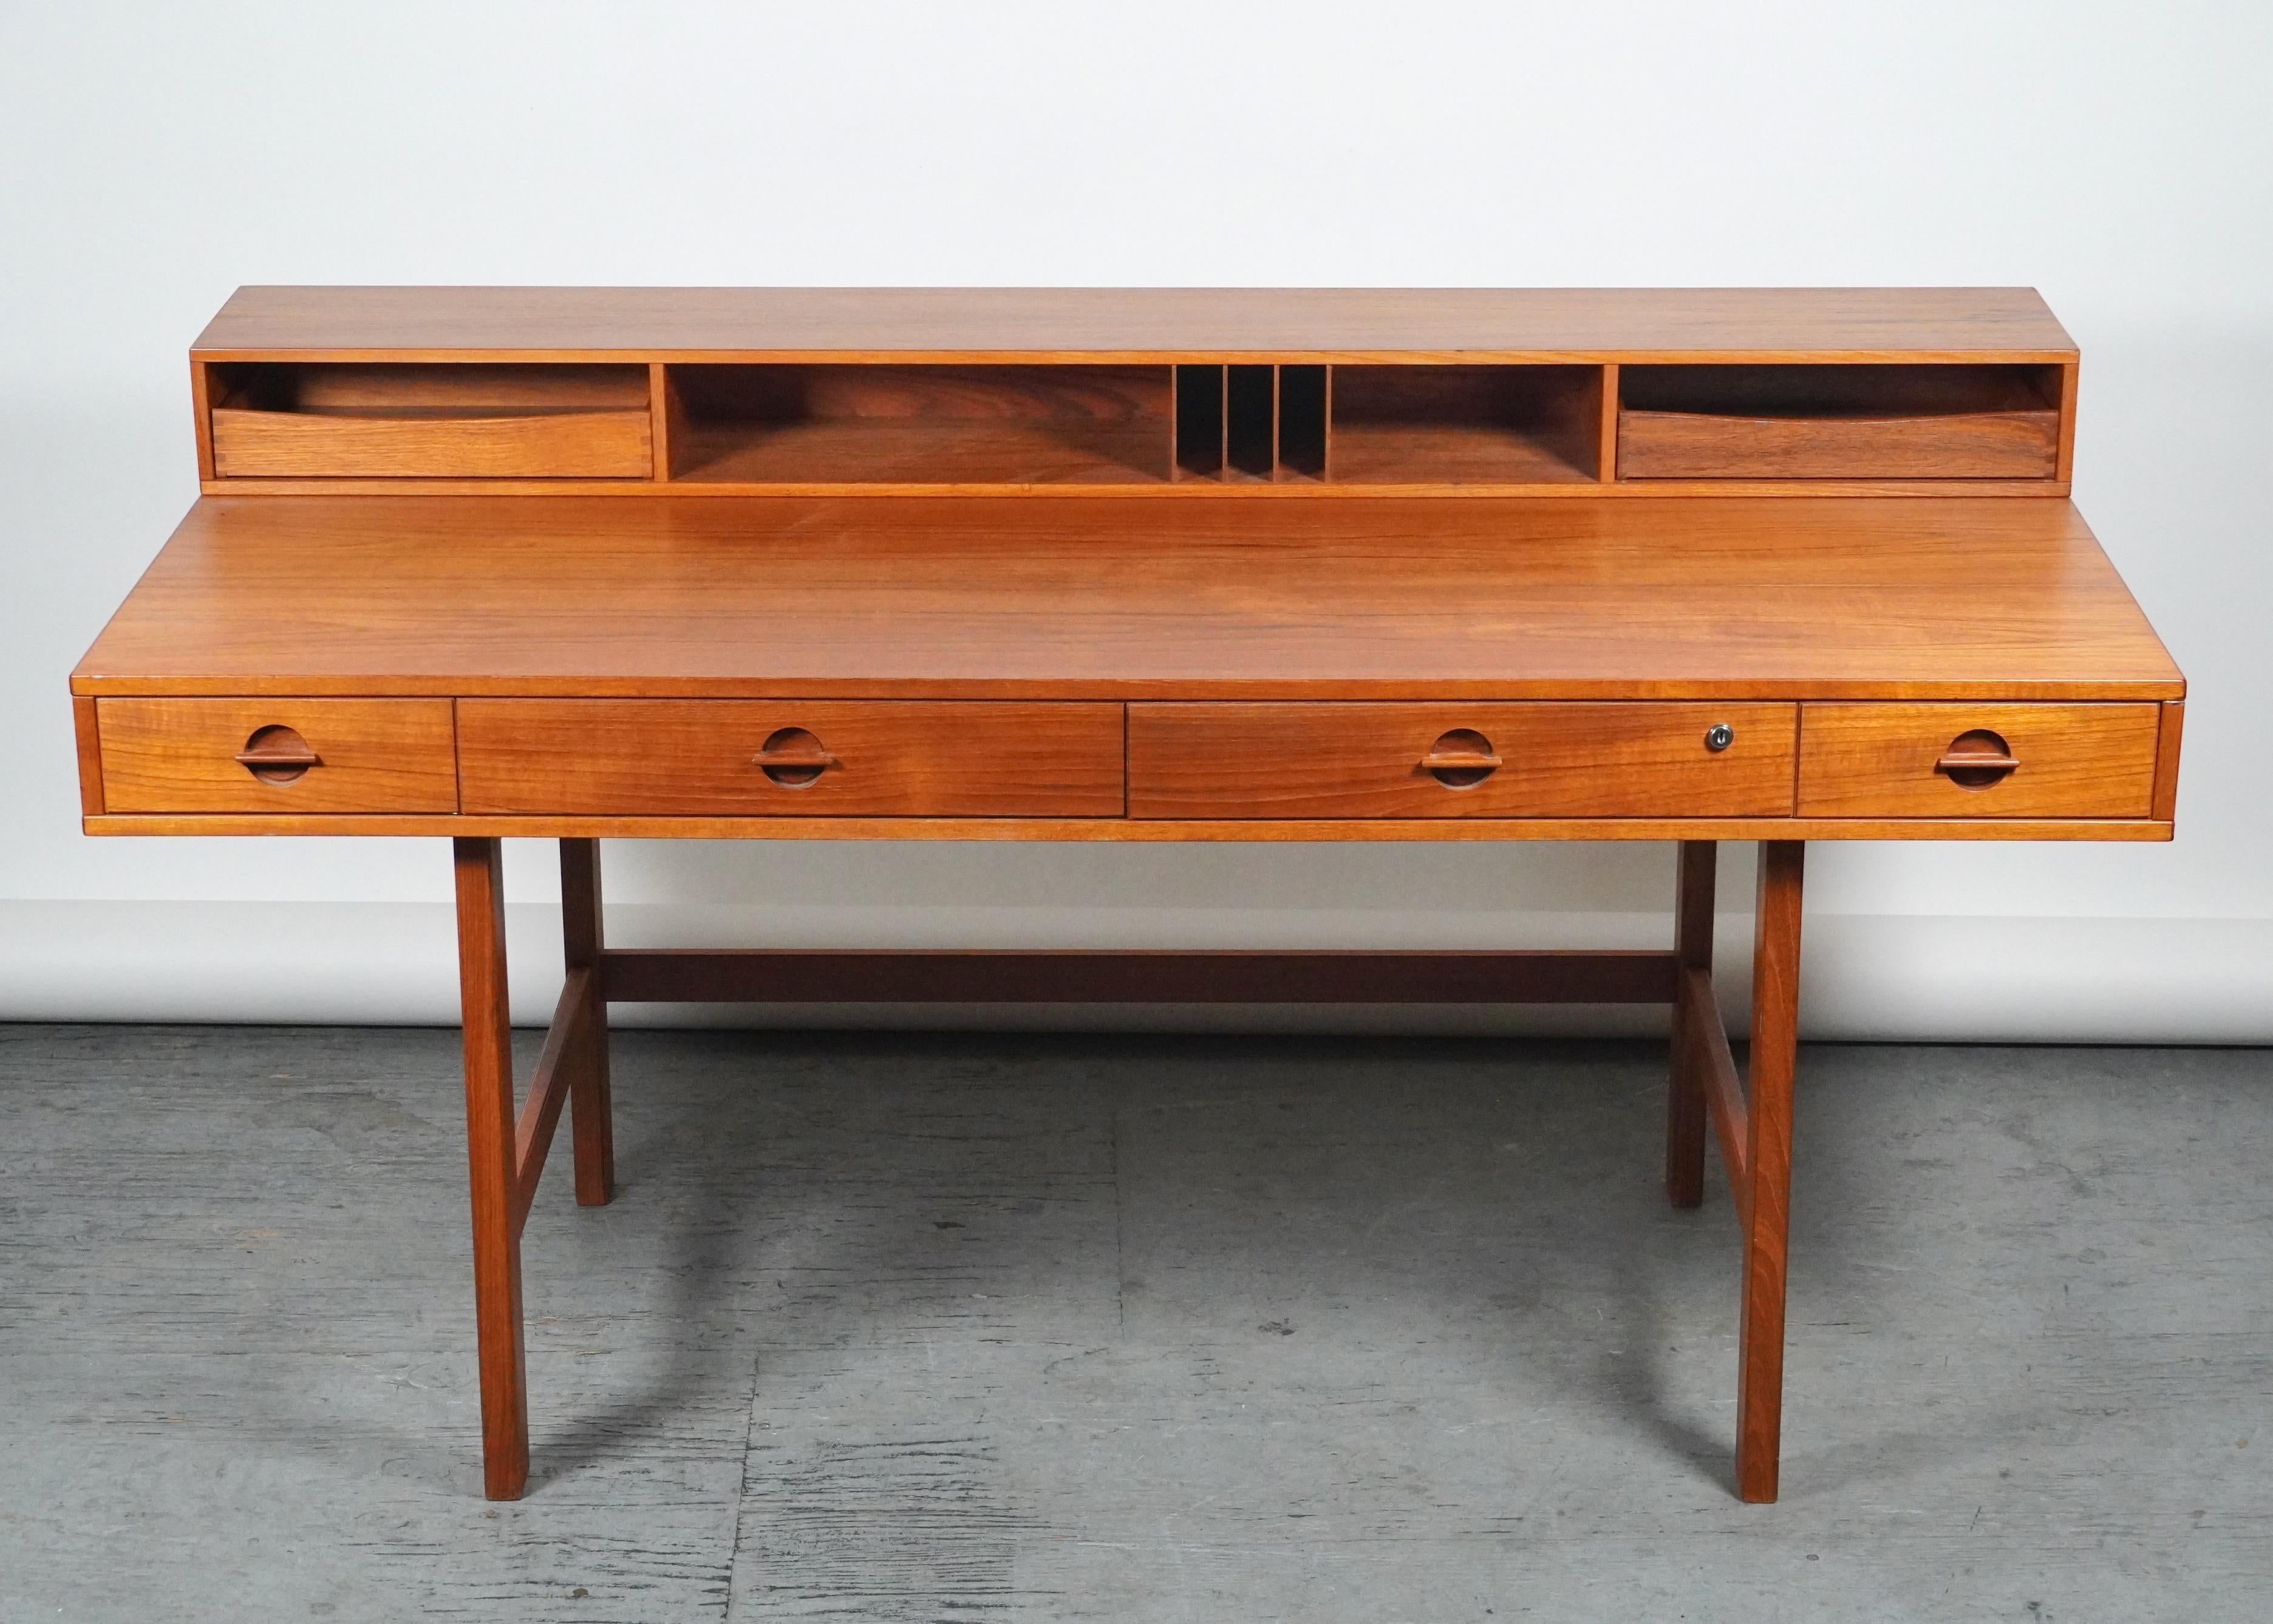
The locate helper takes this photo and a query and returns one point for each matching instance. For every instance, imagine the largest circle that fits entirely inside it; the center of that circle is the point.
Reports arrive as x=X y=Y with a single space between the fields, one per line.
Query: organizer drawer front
x=1972 y=445
x=1963 y=761
x=285 y=445
x=790 y=757
x=169 y=755
x=1546 y=759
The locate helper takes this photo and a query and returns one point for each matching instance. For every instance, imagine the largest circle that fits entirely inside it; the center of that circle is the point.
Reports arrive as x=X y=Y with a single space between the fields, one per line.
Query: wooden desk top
x=1104 y=598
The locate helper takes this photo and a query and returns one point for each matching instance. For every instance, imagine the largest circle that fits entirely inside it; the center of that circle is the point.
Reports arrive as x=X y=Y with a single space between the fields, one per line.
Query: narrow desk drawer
x=790 y=757
x=1545 y=760
x=277 y=755
x=1962 y=760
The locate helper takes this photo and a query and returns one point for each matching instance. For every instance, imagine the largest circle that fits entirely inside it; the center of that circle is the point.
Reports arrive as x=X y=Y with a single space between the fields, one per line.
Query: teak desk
x=1124 y=565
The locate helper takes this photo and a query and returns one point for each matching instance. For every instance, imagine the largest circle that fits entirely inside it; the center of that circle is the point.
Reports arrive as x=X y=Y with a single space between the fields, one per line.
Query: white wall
x=2115 y=156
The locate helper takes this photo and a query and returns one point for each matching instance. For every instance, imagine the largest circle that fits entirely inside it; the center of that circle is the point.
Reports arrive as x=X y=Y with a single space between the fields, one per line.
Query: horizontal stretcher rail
x=762 y=975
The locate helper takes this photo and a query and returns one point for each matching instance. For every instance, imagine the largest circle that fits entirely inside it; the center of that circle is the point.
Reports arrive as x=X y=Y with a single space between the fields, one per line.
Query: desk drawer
x=791 y=758
x=277 y=755
x=1546 y=759
x=1869 y=760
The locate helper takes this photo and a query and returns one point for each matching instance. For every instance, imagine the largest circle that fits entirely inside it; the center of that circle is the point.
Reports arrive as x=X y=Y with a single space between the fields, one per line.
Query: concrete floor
x=1016 y=1327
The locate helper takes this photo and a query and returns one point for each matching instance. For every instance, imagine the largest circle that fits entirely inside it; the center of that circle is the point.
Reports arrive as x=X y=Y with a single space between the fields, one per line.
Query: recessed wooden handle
x=279 y=756
x=1958 y=761
x=1461 y=759
x=1979 y=759
x=793 y=758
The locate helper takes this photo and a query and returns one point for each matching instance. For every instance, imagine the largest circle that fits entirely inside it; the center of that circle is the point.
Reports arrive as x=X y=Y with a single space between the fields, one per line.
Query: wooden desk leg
x=591 y=1116
x=1692 y=949
x=490 y=1148
x=1768 y=1169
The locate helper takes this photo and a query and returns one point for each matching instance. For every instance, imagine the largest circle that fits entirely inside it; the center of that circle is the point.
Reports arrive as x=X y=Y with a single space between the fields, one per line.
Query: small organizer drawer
x=168 y=755
x=790 y=757
x=1542 y=760
x=1963 y=761
x=386 y=420
x=1838 y=423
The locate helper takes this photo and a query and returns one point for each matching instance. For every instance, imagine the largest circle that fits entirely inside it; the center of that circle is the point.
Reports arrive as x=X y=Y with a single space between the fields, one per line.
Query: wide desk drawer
x=187 y=755
x=789 y=758
x=1966 y=760
x=1542 y=760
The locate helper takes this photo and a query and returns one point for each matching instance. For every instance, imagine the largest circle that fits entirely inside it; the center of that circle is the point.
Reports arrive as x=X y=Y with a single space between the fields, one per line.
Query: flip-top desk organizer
x=1115 y=565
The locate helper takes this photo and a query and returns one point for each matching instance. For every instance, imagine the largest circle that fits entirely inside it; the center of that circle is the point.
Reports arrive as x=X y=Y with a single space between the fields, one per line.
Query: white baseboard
x=2025 y=980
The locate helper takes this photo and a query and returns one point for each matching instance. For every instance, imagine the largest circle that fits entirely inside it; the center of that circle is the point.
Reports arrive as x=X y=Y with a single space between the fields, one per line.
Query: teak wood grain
x=87 y=737
x=1888 y=422
x=1766 y=1208
x=180 y=755
x=921 y=424
x=2014 y=445
x=1698 y=869
x=2074 y=760
x=1571 y=760
x=584 y=941
x=1102 y=599
x=611 y=445
x=870 y=757
x=1137 y=323
x=577 y=825
x=2166 y=758
x=490 y=1146
x=662 y=975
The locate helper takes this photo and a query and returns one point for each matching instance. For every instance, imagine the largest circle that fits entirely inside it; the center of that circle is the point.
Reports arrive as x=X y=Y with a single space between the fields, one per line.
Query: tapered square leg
x=1767 y=1169
x=1692 y=948
x=491 y=1155
x=591 y=1114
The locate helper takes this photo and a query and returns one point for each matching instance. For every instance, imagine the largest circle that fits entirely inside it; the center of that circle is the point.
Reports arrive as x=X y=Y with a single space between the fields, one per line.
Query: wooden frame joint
x=565 y=1046
x=1705 y=1037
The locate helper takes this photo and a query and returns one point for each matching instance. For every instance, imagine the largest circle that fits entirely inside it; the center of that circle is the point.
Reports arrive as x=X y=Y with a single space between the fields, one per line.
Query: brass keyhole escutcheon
x=1977 y=759
x=1461 y=759
x=793 y=758
x=277 y=755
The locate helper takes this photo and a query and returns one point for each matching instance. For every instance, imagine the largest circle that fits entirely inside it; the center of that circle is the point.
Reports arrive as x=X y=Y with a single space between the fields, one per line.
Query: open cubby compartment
x=1886 y=421
x=1251 y=421
x=442 y=420
x=879 y=424
x=1466 y=424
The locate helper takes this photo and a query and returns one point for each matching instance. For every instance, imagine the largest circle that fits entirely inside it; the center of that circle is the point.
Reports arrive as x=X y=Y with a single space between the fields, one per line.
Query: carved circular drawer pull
x=792 y=758
x=1977 y=759
x=278 y=755
x=1461 y=759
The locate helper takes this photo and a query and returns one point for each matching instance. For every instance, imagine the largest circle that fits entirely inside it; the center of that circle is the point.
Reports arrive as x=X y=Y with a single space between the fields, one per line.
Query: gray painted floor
x=1018 y=1327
